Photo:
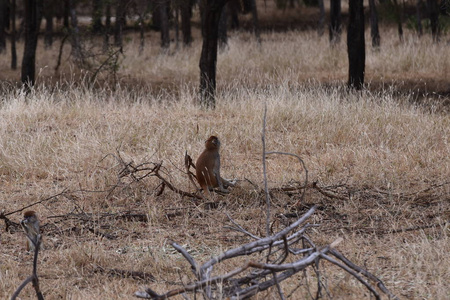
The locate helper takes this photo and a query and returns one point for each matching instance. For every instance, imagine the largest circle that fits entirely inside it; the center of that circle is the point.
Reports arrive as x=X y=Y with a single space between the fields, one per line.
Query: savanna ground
x=384 y=151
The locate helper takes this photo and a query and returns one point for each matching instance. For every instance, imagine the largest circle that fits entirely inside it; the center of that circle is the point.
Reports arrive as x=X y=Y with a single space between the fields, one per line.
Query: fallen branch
x=255 y=276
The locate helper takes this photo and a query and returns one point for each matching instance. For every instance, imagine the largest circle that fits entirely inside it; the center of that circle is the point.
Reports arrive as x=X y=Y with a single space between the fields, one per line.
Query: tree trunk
x=75 y=34
x=96 y=16
x=255 y=21
x=433 y=12
x=164 y=18
x=374 y=32
x=32 y=16
x=399 y=19
x=335 y=22
x=120 y=23
x=208 y=58
x=186 y=22
x=355 y=44
x=48 y=35
x=13 y=36
x=141 y=33
x=66 y=14
x=320 y=29
x=223 y=35
x=233 y=10
x=107 y=30
x=3 y=14
x=419 y=7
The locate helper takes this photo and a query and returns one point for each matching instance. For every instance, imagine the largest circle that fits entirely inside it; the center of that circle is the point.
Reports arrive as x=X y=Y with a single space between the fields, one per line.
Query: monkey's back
x=205 y=167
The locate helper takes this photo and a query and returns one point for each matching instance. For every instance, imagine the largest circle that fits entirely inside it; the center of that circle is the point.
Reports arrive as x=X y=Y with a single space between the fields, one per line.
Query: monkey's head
x=212 y=143
x=29 y=217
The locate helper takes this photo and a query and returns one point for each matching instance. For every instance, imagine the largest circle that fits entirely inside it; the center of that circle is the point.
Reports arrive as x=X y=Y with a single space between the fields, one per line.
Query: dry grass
x=386 y=150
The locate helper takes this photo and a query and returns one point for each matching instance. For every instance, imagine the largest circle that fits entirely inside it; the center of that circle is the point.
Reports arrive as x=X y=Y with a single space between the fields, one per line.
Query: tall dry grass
x=385 y=151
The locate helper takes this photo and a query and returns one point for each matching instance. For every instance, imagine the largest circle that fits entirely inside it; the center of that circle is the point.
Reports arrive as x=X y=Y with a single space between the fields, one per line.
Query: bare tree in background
x=321 y=24
x=185 y=8
x=419 y=8
x=355 y=44
x=223 y=32
x=13 y=36
x=3 y=18
x=212 y=10
x=433 y=12
x=97 y=16
x=162 y=7
x=48 y=15
x=120 y=22
x=75 y=33
x=255 y=21
x=374 y=32
x=32 y=18
x=335 y=22
x=399 y=18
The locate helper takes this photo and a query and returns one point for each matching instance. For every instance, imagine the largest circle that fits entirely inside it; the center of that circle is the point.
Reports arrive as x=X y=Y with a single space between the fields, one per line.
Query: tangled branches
x=254 y=276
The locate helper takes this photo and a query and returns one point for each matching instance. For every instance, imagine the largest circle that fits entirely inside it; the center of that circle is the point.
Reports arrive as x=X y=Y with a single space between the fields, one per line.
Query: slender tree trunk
x=433 y=12
x=13 y=36
x=374 y=32
x=255 y=21
x=107 y=30
x=223 y=35
x=335 y=22
x=120 y=23
x=96 y=16
x=355 y=44
x=208 y=58
x=177 y=28
x=321 y=25
x=33 y=9
x=399 y=18
x=48 y=35
x=165 y=35
x=66 y=14
x=75 y=33
x=419 y=7
x=233 y=10
x=3 y=14
x=186 y=22
x=141 y=34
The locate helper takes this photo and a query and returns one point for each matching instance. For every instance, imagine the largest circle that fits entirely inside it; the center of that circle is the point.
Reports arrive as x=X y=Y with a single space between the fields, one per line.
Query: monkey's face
x=214 y=140
x=30 y=224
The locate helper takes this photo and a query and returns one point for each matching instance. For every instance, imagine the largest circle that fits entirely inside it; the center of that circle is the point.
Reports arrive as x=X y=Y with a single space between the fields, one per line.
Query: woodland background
x=105 y=97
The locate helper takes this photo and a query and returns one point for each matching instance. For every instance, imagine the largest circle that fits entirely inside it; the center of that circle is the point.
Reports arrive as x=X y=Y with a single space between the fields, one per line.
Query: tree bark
x=13 y=36
x=223 y=34
x=164 y=18
x=3 y=14
x=32 y=17
x=208 y=59
x=399 y=19
x=335 y=22
x=107 y=30
x=120 y=23
x=96 y=16
x=433 y=12
x=374 y=32
x=75 y=34
x=255 y=21
x=186 y=22
x=355 y=44
x=320 y=29
x=48 y=35
x=419 y=6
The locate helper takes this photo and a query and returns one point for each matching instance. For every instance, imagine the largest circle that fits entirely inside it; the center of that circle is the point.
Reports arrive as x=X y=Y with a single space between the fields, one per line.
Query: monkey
x=30 y=225
x=208 y=168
